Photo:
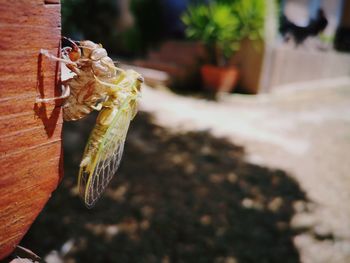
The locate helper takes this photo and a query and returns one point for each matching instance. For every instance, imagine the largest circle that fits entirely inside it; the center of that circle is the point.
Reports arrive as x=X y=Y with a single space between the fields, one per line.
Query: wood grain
x=30 y=134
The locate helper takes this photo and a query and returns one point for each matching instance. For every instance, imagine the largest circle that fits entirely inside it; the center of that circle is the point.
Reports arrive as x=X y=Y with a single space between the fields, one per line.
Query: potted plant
x=221 y=26
x=217 y=27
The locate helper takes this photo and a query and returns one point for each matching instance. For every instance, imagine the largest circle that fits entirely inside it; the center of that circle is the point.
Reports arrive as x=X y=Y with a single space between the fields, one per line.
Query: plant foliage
x=221 y=25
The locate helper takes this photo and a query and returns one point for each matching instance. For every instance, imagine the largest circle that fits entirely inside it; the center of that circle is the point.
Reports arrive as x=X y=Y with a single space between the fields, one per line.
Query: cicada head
x=137 y=77
x=140 y=80
x=73 y=52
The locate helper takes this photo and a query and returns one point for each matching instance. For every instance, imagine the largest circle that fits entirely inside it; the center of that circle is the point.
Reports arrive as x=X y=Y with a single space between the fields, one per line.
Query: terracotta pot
x=221 y=79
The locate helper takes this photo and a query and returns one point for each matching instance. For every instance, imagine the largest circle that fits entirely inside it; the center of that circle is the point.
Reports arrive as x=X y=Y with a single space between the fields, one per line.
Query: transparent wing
x=92 y=182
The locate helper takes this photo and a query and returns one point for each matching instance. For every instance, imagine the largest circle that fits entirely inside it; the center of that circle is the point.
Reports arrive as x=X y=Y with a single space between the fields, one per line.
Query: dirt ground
x=304 y=130
x=242 y=179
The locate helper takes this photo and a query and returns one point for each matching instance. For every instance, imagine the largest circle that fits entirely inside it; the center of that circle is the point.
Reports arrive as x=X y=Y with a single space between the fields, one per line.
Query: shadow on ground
x=185 y=197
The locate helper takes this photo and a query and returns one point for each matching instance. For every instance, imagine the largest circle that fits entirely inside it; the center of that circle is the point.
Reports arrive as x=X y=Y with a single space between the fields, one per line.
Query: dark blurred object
x=172 y=12
x=155 y=21
x=299 y=33
x=94 y=20
x=342 y=36
x=342 y=39
x=148 y=29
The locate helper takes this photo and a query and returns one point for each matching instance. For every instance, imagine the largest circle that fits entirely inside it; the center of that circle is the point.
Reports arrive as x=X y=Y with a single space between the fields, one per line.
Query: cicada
x=98 y=85
x=92 y=66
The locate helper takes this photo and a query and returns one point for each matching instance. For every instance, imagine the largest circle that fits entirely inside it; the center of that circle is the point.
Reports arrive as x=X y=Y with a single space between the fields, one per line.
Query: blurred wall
x=299 y=65
x=287 y=65
x=249 y=60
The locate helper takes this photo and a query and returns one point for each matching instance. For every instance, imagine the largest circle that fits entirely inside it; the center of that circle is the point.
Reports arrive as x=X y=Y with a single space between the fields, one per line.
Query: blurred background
x=240 y=151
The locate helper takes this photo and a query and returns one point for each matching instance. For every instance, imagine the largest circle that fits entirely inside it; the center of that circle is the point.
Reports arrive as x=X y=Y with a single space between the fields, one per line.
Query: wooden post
x=30 y=134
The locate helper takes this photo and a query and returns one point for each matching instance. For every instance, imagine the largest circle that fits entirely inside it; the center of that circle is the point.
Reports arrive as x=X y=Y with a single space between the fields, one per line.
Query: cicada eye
x=141 y=79
x=74 y=54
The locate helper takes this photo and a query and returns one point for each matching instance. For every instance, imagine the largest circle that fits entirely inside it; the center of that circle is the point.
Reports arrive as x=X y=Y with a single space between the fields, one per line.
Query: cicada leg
x=65 y=86
x=98 y=107
x=46 y=53
x=65 y=94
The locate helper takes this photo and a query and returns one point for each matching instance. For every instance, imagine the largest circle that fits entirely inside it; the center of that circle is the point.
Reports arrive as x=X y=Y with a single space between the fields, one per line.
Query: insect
x=98 y=85
x=90 y=63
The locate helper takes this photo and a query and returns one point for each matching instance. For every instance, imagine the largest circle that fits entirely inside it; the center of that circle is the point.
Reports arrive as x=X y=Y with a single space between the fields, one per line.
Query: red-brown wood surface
x=30 y=134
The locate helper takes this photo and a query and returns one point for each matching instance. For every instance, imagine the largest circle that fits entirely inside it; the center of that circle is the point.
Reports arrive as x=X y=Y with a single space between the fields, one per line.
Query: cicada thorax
x=86 y=91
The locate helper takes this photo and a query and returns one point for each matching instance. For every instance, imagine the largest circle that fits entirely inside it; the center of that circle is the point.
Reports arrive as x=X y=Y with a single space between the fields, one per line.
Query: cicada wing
x=93 y=182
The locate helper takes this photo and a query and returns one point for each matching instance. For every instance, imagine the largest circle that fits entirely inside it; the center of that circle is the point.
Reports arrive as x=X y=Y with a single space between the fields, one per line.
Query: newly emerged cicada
x=98 y=85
